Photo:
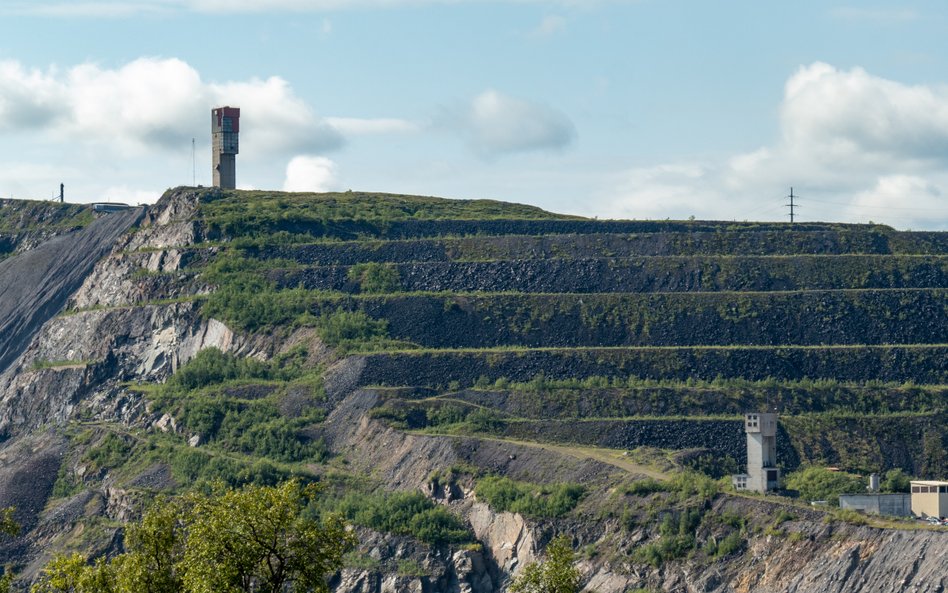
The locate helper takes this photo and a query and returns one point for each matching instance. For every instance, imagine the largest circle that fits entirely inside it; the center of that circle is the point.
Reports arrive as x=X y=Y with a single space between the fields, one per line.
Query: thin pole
x=193 y=170
x=792 y=204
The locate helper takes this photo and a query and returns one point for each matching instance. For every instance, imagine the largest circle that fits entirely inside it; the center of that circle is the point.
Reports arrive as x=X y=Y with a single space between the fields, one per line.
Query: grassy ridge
x=256 y=214
x=486 y=248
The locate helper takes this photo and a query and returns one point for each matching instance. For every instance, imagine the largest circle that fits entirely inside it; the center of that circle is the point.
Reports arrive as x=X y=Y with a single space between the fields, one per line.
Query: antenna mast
x=193 y=174
x=792 y=204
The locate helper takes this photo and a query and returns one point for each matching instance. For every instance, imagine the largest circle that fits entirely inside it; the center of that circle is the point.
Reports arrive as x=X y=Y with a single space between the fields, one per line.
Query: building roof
x=929 y=482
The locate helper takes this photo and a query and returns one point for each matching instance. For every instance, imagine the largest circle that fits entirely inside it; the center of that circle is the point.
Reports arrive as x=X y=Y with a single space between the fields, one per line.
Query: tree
x=819 y=483
x=896 y=480
x=555 y=575
x=8 y=526
x=230 y=541
x=255 y=539
x=155 y=546
x=72 y=574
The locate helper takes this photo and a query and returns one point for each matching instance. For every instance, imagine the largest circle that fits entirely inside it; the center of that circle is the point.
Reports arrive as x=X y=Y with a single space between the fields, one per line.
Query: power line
x=792 y=205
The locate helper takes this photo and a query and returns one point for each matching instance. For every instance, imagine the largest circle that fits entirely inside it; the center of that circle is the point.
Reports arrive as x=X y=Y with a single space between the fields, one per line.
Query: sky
x=639 y=109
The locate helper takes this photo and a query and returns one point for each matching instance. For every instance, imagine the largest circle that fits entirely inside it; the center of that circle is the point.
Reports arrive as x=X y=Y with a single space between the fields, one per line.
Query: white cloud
x=155 y=103
x=661 y=191
x=857 y=146
x=845 y=114
x=549 y=26
x=274 y=119
x=129 y=195
x=310 y=173
x=901 y=195
x=361 y=126
x=495 y=123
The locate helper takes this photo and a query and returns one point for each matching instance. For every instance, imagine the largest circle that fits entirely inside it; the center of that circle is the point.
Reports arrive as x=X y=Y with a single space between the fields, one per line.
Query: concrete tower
x=762 y=472
x=225 y=125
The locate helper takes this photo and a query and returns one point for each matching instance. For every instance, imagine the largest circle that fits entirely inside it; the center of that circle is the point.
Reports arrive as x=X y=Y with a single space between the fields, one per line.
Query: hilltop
x=470 y=378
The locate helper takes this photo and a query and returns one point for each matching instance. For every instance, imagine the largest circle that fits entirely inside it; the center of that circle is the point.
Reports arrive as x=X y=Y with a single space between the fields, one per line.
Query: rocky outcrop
x=35 y=285
x=62 y=367
x=391 y=564
x=506 y=536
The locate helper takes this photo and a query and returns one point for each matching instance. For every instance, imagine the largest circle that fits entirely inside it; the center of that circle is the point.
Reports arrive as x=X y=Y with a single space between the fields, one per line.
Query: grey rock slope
x=35 y=285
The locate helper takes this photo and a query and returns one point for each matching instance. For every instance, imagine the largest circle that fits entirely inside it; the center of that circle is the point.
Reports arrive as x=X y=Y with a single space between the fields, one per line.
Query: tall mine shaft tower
x=225 y=124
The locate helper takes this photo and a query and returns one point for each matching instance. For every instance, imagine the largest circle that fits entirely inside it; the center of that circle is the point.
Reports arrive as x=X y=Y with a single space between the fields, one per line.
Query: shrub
x=645 y=487
x=110 y=452
x=532 y=500
x=483 y=420
x=895 y=480
x=405 y=513
x=211 y=366
x=819 y=483
x=374 y=277
x=350 y=329
x=731 y=543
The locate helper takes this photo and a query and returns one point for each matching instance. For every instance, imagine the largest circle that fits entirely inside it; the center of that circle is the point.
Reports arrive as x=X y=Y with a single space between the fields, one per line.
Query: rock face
x=57 y=368
x=35 y=285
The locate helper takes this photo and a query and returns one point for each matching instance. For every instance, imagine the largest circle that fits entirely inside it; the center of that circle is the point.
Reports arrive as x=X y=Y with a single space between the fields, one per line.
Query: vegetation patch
x=531 y=500
x=404 y=513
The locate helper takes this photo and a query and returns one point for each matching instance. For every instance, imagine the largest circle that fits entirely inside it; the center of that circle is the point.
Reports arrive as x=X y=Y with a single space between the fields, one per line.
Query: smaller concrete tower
x=225 y=125
x=762 y=472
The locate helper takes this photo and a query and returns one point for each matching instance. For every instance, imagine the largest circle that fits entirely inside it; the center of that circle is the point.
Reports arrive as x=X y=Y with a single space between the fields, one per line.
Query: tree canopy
x=8 y=526
x=555 y=575
x=229 y=541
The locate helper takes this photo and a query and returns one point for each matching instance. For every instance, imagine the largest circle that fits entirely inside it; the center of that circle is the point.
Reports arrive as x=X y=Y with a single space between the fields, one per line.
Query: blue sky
x=629 y=109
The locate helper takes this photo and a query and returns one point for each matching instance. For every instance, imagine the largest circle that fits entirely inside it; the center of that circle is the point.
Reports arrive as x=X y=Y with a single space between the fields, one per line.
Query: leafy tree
x=155 y=547
x=8 y=526
x=896 y=480
x=72 y=574
x=555 y=575
x=229 y=541
x=819 y=483
x=255 y=539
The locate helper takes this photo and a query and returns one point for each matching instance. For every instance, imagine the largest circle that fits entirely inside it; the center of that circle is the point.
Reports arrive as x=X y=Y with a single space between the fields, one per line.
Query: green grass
x=402 y=513
x=20 y=216
x=261 y=214
x=531 y=500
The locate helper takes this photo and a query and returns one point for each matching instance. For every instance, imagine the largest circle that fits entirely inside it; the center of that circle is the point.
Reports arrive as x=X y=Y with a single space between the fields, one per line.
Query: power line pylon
x=793 y=205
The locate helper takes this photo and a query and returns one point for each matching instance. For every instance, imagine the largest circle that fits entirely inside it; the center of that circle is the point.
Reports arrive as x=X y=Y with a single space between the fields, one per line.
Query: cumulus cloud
x=494 y=123
x=903 y=195
x=310 y=173
x=662 y=191
x=155 y=103
x=859 y=147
